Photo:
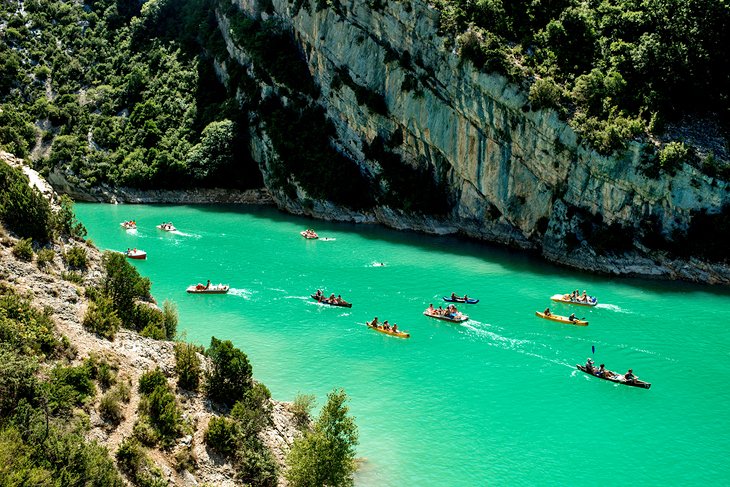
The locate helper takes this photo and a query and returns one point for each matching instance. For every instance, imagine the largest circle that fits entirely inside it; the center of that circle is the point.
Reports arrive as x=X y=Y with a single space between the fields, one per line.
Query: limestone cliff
x=510 y=174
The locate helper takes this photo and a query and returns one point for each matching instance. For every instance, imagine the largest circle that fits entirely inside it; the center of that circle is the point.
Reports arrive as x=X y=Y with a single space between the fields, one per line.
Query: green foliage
x=110 y=408
x=76 y=257
x=134 y=461
x=123 y=284
x=221 y=435
x=23 y=249
x=187 y=365
x=302 y=408
x=101 y=318
x=72 y=276
x=17 y=379
x=253 y=412
x=65 y=221
x=214 y=151
x=23 y=209
x=326 y=454
x=673 y=155
x=44 y=257
x=230 y=373
x=23 y=327
x=169 y=319
x=545 y=93
x=151 y=380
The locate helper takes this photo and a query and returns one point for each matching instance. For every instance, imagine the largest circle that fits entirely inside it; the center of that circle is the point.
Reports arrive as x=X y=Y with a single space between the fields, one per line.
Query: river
x=494 y=401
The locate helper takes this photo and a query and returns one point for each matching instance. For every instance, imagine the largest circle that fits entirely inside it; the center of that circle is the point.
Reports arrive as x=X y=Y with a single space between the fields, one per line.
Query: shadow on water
x=513 y=260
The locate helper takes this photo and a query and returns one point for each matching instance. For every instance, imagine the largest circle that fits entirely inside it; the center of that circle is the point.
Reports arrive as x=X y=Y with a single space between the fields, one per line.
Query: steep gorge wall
x=514 y=175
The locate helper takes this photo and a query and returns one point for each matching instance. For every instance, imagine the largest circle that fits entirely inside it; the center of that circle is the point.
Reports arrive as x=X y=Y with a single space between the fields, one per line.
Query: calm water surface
x=494 y=401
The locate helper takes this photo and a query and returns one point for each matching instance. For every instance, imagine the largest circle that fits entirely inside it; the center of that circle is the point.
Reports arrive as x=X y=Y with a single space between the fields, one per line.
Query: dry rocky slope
x=133 y=355
x=519 y=177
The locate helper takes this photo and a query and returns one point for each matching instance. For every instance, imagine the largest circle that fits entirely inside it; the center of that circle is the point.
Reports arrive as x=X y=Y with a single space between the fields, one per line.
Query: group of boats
x=584 y=299
x=132 y=225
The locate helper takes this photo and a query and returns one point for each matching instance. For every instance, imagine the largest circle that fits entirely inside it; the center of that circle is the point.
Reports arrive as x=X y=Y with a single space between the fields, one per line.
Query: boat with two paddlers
x=167 y=227
x=614 y=377
x=129 y=225
x=331 y=301
x=136 y=254
x=572 y=299
x=456 y=317
x=562 y=319
x=388 y=331
x=208 y=289
x=309 y=234
x=457 y=299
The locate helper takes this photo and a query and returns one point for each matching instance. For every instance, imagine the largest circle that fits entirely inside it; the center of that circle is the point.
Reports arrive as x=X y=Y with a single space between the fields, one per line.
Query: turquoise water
x=494 y=401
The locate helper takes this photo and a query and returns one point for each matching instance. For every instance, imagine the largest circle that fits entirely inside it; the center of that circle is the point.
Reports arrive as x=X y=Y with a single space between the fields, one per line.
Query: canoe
x=562 y=319
x=456 y=319
x=617 y=378
x=325 y=301
x=399 y=334
x=565 y=298
x=461 y=300
x=136 y=254
x=309 y=235
x=213 y=289
x=167 y=228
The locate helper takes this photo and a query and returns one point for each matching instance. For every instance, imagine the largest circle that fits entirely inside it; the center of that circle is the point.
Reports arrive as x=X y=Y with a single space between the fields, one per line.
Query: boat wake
x=327 y=239
x=131 y=231
x=377 y=264
x=241 y=293
x=530 y=348
x=184 y=234
x=612 y=307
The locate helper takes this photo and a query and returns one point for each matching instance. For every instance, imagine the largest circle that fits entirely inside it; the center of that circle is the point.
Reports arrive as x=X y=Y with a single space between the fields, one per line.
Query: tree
x=326 y=454
x=230 y=374
x=23 y=209
x=214 y=151
x=123 y=285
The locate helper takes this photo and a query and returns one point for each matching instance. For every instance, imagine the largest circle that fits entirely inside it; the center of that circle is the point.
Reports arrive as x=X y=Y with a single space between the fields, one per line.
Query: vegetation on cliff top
x=617 y=68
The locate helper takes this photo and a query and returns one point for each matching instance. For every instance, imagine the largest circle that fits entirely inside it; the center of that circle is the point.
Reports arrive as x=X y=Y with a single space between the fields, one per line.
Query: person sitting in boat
x=395 y=327
x=375 y=322
x=629 y=376
x=430 y=309
x=589 y=365
x=440 y=311
x=584 y=297
x=339 y=299
x=547 y=312
x=386 y=325
x=466 y=298
x=572 y=317
x=207 y=284
x=601 y=372
x=453 y=297
x=318 y=294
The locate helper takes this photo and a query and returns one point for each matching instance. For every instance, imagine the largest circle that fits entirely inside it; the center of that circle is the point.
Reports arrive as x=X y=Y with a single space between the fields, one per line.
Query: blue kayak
x=461 y=300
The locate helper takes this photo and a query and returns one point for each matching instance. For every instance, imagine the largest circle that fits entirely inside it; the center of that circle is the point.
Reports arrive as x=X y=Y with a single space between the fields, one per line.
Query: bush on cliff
x=101 y=318
x=23 y=209
x=187 y=366
x=326 y=454
x=230 y=373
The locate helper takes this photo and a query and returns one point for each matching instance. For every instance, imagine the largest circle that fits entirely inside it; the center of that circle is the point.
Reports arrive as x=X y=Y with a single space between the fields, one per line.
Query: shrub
x=65 y=221
x=23 y=209
x=23 y=250
x=221 y=435
x=123 y=284
x=133 y=461
x=150 y=380
x=76 y=257
x=187 y=366
x=256 y=465
x=101 y=318
x=253 y=412
x=109 y=408
x=185 y=459
x=672 y=155
x=229 y=376
x=164 y=414
x=45 y=257
x=302 y=408
x=545 y=93
x=72 y=276
x=326 y=454
x=25 y=328
x=169 y=318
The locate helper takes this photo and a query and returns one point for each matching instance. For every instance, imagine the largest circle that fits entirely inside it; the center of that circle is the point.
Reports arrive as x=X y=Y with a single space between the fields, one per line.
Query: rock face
x=514 y=175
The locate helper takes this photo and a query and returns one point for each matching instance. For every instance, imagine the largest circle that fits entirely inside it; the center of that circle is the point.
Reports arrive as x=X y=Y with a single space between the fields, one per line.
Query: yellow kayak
x=399 y=334
x=562 y=319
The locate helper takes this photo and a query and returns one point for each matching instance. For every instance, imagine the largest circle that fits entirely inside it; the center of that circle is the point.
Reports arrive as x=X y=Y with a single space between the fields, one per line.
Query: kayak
x=617 y=378
x=461 y=300
x=326 y=301
x=136 y=254
x=213 y=289
x=460 y=318
x=565 y=298
x=399 y=334
x=562 y=319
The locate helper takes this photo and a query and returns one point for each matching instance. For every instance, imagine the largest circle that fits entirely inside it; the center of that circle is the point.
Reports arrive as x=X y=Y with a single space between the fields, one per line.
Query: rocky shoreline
x=132 y=355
